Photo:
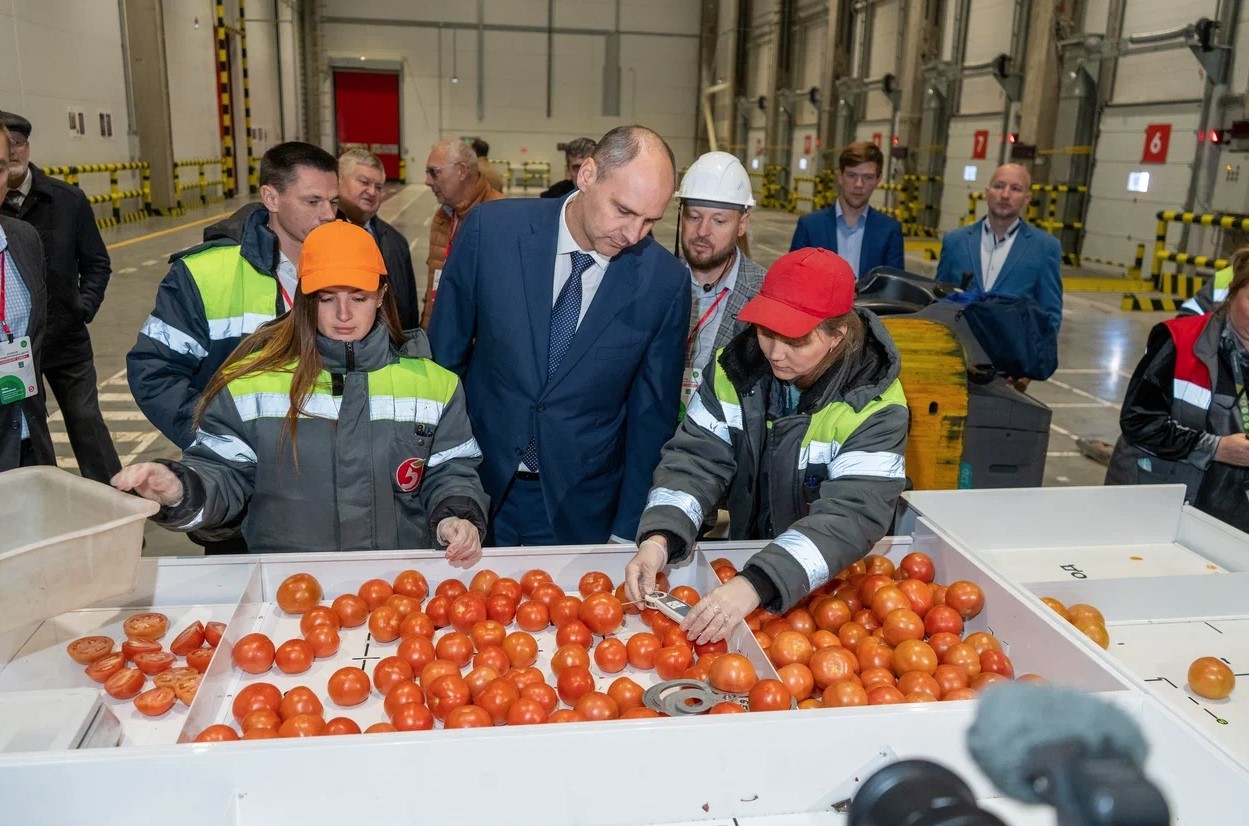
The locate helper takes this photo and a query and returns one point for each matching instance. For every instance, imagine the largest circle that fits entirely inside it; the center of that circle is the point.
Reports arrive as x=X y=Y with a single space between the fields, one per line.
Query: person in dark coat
x=361 y=177
x=24 y=438
x=575 y=153
x=77 y=269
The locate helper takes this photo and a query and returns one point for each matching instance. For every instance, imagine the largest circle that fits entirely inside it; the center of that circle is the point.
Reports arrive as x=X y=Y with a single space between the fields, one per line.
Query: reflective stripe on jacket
x=1211 y=295
x=834 y=469
x=384 y=451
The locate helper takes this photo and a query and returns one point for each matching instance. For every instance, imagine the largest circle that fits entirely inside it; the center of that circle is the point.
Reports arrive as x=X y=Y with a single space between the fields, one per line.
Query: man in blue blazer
x=567 y=324
x=865 y=237
x=1002 y=254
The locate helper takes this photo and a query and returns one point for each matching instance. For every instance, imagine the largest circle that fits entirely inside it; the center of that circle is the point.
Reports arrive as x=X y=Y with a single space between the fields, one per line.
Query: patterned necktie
x=13 y=200
x=564 y=317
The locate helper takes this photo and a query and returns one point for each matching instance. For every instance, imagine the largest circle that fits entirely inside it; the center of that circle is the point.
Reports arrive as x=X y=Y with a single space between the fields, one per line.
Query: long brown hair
x=288 y=344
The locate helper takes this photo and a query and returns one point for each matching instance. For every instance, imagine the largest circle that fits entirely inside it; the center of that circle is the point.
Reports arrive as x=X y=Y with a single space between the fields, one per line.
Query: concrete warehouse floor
x=1099 y=344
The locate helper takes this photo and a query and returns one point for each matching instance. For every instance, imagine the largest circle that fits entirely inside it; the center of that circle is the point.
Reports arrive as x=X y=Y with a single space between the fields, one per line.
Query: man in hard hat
x=865 y=237
x=715 y=212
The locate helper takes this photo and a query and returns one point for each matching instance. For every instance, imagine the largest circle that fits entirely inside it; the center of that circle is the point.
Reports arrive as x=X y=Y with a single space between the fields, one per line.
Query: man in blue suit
x=1002 y=254
x=865 y=237
x=567 y=324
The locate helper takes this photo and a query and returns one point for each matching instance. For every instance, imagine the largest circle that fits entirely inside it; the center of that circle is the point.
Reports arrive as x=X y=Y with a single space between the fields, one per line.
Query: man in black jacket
x=361 y=177
x=78 y=270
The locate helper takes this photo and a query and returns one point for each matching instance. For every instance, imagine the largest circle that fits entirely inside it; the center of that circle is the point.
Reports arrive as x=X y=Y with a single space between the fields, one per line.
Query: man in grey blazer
x=715 y=211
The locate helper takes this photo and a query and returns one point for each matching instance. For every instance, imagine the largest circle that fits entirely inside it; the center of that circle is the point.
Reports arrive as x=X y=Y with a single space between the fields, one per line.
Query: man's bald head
x=1008 y=194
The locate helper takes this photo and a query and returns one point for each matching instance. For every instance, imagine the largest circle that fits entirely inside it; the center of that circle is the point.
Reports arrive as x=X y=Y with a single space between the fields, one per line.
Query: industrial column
x=1039 y=106
x=149 y=76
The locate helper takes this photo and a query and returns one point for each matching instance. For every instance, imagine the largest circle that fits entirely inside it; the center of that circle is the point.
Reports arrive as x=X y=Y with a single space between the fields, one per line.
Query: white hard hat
x=717 y=177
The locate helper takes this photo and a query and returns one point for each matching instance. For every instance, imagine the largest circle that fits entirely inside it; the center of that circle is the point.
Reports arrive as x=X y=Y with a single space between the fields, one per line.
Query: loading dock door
x=366 y=109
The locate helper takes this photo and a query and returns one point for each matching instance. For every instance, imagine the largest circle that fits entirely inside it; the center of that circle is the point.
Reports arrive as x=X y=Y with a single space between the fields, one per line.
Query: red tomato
x=564 y=609
x=574 y=632
x=775 y=626
x=415 y=624
x=873 y=677
x=153 y=662
x=155 y=701
x=641 y=648
x=261 y=734
x=919 y=566
x=547 y=593
x=963 y=656
x=501 y=608
x=983 y=641
x=352 y=611
x=493 y=656
x=324 y=641
x=997 y=663
x=170 y=677
x=482 y=582
x=888 y=599
x=533 y=616
x=874 y=653
x=411 y=584
x=595 y=705
x=1083 y=612
x=487 y=632
x=844 y=693
x=671 y=662
x=384 y=623
x=469 y=717
x=391 y=670
x=133 y=648
x=1208 y=677
x=831 y=664
x=965 y=597
x=319 y=615
x=526 y=712
x=569 y=655
x=626 y=693
x=959 y=694
x=726 y=707
x=943 y=618
x=733 y=674
x=790 y=647
x=521 y=649
x=798 y=679
x=432 y=671
x=383 y=728
x=823 y=639
x=298 y=593
x=545 y=695
x=496 y=699
x=261 y=718
x=149 y=626
x=573 y=682
x=629 y=608
x=187 y=688
x=508 y=586
x=903 y=624
x=830 y=613
x=254 y=653
x=446 y=694
x=401 y=695
x=769 y=695
x=602 y=613
x=914 y=655
x=717 y=647
x=479 y=678
x=403 y=605
x=942 y=641
x=256 y=696
x=450 y=588
x=639 y=713
x=1094 y=631
x=522 y=677
x=918 y=682
x=919 y=594
x=191 y=638
x=565 y=715
x=595 y=582
x=611 y=656
x=877 y=564
x=341 y=725
x=466 y=611
x=294 y=656
x=869 y=586
x=532 y=578
x=412 y=716
x=200 y=658
x=301 y=700
x=659 y=624
x=125 y=683
x=302 y=725
x=86 y=650
x=347 y=687
x=985 y=679
x=438 y=609
x=375 y=592
x=219 y=733
x=950 y=678
x=885 y=695
x=455 y=648
x=213 y=632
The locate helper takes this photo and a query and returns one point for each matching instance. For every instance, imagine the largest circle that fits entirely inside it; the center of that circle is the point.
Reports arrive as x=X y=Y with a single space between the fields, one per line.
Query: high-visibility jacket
x=821 y=483
x=383 y=452
x=1179 y=403
x=213 y=295
x=1211 y=295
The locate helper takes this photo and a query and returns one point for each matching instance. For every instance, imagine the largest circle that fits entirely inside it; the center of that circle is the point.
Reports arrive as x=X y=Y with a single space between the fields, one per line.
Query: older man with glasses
x=452 y=174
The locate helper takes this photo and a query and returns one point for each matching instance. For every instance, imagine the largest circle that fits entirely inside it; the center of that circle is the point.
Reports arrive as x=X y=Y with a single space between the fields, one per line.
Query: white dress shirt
x=993 y=252
x=287 y=277
x=564 y=248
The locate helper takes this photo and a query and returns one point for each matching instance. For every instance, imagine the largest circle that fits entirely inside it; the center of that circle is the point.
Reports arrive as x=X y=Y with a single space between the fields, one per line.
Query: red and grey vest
x=1193 y=385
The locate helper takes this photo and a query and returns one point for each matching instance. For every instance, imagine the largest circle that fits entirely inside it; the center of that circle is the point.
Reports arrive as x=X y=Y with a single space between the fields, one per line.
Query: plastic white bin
x=65 y=543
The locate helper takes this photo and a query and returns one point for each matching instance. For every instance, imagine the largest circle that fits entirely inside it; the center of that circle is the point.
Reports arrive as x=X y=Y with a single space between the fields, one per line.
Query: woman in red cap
x=801 y=420
x=328 y=427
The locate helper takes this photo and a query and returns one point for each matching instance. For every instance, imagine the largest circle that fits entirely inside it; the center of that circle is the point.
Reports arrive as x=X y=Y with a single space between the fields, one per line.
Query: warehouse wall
x=658 y=66
x=189 y=55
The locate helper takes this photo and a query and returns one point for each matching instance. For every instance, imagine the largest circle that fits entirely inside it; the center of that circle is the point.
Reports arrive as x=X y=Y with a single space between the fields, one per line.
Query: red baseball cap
x=803 y=288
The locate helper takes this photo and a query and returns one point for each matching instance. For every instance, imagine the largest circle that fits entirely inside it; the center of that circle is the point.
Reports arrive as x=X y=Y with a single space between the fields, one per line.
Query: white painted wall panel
x=1095 y=16
x=676 y=16
x=1145 y=78
x=1118 y=220
x=1158 y=15
x=513 y=12
x=947 y=31
x=954 y=190
x=592 y=14
x=429 y=10
x=988 y=29
x=980 y=95
x=192 y=80
x=877 y=106
x=883 y=55
x=262 y=63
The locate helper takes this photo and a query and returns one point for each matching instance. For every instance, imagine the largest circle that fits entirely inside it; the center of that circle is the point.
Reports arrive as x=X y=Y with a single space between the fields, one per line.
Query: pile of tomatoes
x=124 y=672
x=1087 y=619
x=878 y=634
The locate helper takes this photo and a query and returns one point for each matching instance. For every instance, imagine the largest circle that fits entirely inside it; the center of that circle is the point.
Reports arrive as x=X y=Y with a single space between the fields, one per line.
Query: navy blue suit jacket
x=882 y=237
x=612 y=404
x=1033 y=269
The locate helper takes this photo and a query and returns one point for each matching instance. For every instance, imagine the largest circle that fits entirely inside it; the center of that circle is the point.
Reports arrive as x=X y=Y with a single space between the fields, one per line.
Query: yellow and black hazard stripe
x=252 y=174
x=223 y=102
x=1133 y=303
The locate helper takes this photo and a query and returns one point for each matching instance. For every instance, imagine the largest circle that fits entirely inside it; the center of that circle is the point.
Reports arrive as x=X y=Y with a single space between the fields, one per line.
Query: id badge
x=689 y=386
x=17 y=371
x=437 y=277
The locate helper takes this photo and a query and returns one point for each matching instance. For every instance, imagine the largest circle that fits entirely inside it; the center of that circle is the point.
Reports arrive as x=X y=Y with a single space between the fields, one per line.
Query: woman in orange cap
x=801 y=420
x=328 y=427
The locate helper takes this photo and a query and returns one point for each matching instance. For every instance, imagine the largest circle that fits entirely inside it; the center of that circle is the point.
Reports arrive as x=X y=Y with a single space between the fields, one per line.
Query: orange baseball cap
x=802 y=289
x=339 y=254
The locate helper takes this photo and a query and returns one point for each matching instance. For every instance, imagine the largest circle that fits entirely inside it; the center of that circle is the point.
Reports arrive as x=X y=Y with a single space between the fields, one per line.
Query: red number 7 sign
x=980 y=144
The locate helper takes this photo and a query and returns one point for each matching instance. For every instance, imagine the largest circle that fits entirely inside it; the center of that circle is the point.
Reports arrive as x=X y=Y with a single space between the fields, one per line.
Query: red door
x=366 y=107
